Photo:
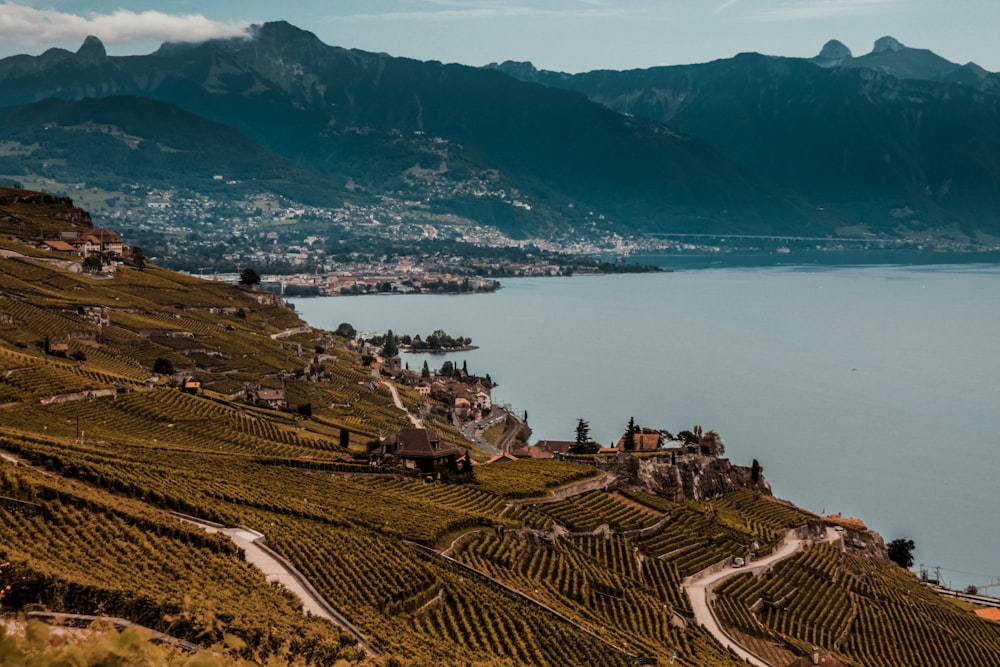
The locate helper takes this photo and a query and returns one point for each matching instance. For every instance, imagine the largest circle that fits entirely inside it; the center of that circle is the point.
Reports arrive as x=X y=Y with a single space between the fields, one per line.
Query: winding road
x=276 y=568
x=699 y=589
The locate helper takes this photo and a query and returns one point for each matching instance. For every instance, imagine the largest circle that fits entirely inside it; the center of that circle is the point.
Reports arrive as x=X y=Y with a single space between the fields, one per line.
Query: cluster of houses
x=252 y=393
x=468 y=401
x=468 y=398
x=94 y=241
x=553 y=449
x=422 y=449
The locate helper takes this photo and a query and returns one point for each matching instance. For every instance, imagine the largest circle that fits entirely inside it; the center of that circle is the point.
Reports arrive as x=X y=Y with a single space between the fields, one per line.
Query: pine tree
x=629 y=443
x=389 y=348
x=583 y=444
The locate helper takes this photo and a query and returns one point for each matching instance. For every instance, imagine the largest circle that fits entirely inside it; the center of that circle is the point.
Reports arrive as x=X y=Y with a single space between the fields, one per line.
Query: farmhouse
x=255 y=394
x=416 y=448
x=99 y=240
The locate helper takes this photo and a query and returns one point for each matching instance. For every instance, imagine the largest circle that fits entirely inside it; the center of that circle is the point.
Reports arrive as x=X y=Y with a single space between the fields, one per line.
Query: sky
x=562 y=35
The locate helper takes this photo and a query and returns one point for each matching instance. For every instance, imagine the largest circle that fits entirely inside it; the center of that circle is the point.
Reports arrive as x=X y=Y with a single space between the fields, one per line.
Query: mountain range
x=894 y=143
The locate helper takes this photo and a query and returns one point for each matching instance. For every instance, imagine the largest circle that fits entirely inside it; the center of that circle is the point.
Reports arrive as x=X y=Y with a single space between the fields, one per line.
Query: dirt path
x=276 y=568
x=399 y=404
x=699 y=589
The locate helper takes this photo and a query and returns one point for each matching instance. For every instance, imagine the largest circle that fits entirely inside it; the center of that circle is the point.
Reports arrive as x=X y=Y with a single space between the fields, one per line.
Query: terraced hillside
x=489 y=572
x=842 y=602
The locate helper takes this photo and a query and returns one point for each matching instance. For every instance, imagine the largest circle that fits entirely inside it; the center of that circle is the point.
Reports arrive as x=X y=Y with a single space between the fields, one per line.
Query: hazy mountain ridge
x=353 y=115
x=103 y=140
x=752 y=144
x=854 y=141
x=889 y=56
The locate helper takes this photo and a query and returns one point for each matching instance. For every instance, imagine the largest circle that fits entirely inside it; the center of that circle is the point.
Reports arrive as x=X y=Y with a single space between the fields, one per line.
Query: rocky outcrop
x=833 y=54
x=866 y=543
x=883 y=44
x=695 y=476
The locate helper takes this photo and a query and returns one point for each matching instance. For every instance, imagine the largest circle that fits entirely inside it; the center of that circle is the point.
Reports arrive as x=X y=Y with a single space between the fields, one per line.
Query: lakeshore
x=876 y=374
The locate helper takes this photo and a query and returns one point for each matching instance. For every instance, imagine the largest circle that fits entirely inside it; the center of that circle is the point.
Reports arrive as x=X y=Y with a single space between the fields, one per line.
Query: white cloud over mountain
x=28 y=26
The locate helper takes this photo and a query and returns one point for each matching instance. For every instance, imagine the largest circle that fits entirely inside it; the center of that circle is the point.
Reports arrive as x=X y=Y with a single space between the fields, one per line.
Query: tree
x=92 y=263
x=583 y=444
x=629 y=443
x=249 y=277
x=425 y=372
x=346 y=330
x=138 y=258
x=163 y=366
x=389 y=347
x=345 y=438
x=306 y=410
x=710 y=443
x=755 y=471
x=687 y=437
x=901 y=552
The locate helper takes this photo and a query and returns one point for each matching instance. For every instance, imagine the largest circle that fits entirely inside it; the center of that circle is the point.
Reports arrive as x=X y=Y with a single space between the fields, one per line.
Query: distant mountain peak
x=92 y=49
x=282 y=31
x=887 y=44
x=833 y=53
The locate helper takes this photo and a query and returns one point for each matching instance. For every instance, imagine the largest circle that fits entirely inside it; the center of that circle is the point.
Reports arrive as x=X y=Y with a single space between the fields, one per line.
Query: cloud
x=23 y=25
x=819 y=9
x=724 y=6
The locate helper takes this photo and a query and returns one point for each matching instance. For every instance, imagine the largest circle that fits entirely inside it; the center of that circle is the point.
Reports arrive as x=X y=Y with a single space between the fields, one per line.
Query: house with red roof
x=644 y=442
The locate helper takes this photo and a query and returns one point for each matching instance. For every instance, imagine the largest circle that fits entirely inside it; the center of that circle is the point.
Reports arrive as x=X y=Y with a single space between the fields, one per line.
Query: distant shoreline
x=443 y=350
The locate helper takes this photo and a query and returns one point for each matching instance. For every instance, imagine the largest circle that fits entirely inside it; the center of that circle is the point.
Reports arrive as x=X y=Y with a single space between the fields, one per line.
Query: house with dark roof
x=254 y=394
x=416 y=448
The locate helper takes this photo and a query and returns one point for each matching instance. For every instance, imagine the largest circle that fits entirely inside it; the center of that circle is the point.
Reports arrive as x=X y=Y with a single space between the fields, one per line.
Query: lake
x=872 y=391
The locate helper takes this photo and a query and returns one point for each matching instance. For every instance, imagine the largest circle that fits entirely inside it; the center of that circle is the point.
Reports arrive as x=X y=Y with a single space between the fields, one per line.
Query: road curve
x=276 y=568
x=699 y=590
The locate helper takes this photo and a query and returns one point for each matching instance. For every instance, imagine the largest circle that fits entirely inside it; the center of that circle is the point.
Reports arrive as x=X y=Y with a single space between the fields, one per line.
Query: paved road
x=276 y=568
x=399 y=404
x=699 y=590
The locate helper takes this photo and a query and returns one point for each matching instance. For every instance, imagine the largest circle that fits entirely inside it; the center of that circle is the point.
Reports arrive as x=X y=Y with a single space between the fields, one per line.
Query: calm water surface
x=872 y=391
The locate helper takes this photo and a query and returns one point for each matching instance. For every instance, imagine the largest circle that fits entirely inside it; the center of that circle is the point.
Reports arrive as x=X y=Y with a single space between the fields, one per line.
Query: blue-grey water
x=871 y=391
